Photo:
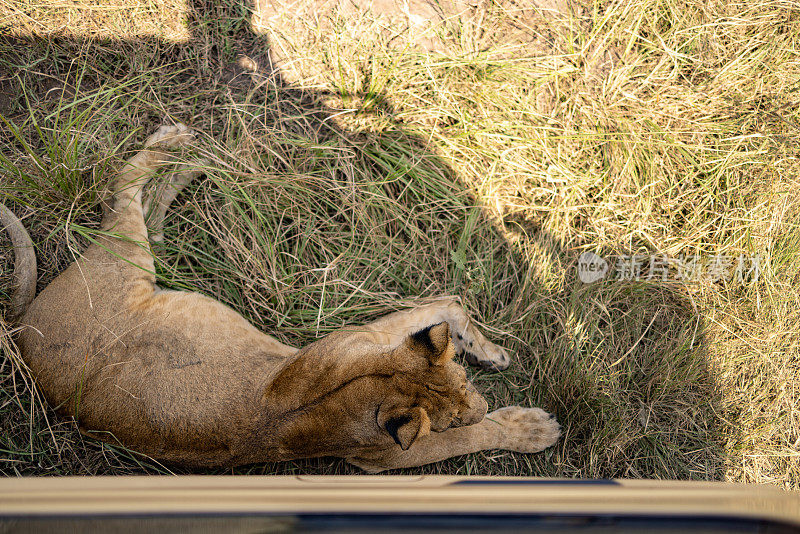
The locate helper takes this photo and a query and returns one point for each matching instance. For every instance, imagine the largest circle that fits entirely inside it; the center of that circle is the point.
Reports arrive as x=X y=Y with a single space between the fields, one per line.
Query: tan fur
x=24 y=262
x=185 y=379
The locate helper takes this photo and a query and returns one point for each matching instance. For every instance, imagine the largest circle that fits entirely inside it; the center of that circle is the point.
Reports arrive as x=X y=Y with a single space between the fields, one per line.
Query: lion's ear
x=406 y=425
x=436 y=341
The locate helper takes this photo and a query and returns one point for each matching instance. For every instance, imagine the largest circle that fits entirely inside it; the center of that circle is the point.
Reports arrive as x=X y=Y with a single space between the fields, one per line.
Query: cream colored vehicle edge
x=211 y=495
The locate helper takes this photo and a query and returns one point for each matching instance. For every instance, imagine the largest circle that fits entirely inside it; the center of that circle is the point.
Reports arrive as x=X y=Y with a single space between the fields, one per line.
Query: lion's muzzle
x=475 y=409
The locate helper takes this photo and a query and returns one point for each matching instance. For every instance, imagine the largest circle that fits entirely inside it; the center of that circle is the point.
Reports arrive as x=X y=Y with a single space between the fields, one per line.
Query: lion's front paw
x=170 y=136
x=525 y=429
x=488 y=356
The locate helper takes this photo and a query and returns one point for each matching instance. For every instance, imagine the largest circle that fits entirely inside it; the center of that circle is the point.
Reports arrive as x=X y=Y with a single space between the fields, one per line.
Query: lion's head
x=345 y=392
x=431 y=393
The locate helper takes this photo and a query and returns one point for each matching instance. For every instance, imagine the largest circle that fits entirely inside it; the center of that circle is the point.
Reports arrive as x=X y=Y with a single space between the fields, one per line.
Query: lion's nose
x=475 y=409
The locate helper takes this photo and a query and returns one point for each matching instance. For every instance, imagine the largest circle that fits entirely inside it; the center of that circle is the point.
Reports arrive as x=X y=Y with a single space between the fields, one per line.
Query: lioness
x=184 y=379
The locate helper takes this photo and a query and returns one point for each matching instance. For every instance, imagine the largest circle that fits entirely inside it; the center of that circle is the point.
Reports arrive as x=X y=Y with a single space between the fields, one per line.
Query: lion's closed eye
x=436 y=388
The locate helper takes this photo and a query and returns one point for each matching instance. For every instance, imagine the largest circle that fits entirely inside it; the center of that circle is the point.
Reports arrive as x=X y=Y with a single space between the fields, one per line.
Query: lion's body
x=183 y=378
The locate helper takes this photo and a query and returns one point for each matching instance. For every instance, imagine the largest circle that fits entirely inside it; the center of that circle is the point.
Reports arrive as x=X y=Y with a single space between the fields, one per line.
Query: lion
x=184 y=379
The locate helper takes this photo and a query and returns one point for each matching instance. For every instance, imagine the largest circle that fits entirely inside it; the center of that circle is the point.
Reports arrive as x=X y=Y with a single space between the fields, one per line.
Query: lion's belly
x=180 y=377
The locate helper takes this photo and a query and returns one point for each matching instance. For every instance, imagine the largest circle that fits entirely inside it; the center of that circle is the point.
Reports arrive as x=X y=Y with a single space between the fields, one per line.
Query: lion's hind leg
x=158 y=199
x=124 y=238
x=126 y=217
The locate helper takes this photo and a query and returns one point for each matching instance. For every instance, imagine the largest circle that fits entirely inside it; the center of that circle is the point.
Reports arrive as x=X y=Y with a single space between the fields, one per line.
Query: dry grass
x=382 y=173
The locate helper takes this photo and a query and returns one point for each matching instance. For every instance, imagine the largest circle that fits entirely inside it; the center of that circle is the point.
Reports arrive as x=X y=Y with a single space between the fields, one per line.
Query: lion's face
x=432 y=392
x=344 y=391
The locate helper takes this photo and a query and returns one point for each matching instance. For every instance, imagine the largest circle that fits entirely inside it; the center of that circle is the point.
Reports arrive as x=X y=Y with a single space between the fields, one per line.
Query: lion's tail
x=24 y=262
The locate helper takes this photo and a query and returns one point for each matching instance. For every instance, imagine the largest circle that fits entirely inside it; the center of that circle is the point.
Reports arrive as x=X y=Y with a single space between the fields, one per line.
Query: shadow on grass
x=622 y=364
